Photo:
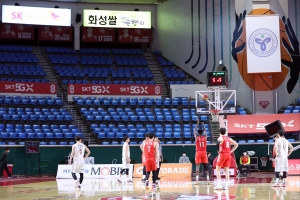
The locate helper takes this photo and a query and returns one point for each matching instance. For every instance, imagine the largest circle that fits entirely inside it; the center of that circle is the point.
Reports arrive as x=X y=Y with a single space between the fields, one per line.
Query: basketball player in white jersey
x=283 y=149
x=77 y=154
x=125 y=159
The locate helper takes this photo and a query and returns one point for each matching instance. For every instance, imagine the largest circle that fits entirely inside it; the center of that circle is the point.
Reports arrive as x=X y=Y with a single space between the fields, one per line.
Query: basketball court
x=255 y=187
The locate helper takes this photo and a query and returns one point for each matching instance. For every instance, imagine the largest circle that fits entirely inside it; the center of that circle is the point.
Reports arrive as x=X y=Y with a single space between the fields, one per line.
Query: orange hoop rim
x=214 y=111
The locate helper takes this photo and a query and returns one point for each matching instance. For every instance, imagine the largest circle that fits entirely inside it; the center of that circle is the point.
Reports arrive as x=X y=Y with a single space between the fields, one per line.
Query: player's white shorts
x=78 y=166
x=281 y=164
x=125 y=164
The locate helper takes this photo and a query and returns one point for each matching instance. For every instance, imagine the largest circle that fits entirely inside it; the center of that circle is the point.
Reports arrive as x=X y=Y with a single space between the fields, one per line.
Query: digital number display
x=216 y=79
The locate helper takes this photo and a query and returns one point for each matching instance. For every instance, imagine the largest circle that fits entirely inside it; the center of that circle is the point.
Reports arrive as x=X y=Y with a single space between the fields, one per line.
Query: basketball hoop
x=264 y=161
x=214 y=115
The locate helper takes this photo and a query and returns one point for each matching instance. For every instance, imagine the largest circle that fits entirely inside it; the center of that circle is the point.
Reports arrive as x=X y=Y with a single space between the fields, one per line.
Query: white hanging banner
x=263 y=43
x=36 y=15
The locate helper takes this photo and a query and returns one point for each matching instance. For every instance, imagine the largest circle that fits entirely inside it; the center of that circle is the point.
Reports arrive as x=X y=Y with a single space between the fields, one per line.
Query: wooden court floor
x=257 y=186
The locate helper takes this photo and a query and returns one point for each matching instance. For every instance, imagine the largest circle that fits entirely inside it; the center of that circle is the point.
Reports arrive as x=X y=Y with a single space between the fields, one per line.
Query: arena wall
x=105 y=155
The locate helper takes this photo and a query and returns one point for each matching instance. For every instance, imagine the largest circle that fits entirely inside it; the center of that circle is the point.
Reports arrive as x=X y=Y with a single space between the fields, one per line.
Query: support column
x=76 y=43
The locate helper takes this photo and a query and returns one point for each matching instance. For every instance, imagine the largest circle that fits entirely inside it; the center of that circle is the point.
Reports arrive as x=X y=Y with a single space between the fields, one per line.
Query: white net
x=214 y=115
x=264 y=161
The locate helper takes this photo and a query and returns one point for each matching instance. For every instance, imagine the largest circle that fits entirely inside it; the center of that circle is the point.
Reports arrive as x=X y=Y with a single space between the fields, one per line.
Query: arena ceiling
x=112 y=1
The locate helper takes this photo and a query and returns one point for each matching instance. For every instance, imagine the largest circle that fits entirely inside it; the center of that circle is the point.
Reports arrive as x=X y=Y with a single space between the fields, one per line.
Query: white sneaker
x=218 y=187
x=275 y=185
x=226 y=187
x=282 y=185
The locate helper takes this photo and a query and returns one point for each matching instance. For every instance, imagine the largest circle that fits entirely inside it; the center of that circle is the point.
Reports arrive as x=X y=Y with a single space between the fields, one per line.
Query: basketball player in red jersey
x=144 y=158
x=152 y=155
x=201 y=156
x=224 y=158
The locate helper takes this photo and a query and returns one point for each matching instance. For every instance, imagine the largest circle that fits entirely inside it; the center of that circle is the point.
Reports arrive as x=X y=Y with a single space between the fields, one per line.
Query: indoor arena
x=149 y=99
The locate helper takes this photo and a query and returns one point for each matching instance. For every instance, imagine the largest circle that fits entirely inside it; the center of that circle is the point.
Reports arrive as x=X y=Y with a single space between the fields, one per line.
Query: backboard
x=222 y=100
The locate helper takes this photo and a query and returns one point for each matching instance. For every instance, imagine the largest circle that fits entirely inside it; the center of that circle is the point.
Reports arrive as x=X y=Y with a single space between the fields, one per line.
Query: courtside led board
x=116 y=19
x=36 y=15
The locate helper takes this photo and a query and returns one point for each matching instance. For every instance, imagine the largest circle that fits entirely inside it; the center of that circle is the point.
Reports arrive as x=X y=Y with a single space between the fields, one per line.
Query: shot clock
x=217 y=80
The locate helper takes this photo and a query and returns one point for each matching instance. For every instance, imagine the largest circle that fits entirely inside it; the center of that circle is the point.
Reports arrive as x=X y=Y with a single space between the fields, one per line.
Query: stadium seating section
x=293 y=109
x=14 y=101
x=173 y=120
x=18 y=64
x=112 y=66
x=48 y=134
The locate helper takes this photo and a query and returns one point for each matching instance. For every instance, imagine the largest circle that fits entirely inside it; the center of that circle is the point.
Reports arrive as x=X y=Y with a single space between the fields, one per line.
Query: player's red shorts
x=150 y=164
x=201 y=157
x=143 y=160
x=224 y=160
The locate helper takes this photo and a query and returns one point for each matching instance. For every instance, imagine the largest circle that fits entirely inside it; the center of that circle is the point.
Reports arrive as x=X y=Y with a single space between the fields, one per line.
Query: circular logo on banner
x=263 y=42
x=105 y=171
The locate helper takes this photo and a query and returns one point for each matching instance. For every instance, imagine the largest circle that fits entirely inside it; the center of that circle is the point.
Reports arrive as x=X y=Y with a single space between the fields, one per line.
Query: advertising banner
x=93 y=185
x=56 y=33
x=134 y=35
x=94 y=171
x=232 y=172
x=263 y=43
x=243 y=124
x=116 y=19
x=168 y=170
x=17 y=31
x=294 y=166
x=114 y=89
x=90 y=34
x=36 y=15
x=28 y=88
